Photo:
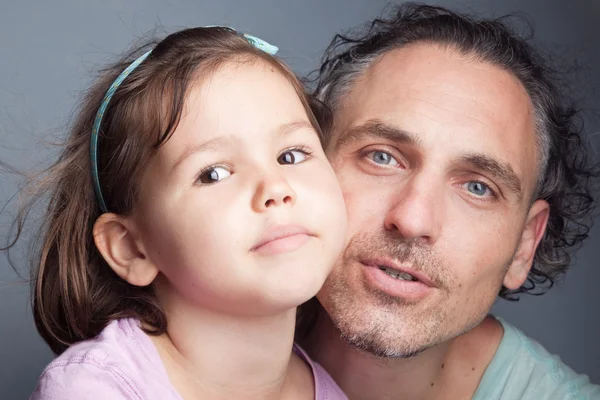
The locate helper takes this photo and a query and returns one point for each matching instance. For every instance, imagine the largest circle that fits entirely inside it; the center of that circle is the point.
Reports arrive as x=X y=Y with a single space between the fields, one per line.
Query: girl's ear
x=116 y=240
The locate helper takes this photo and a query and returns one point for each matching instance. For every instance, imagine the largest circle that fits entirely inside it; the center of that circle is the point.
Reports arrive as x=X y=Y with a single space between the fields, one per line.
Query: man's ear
x=116 y=240
x=534 y=230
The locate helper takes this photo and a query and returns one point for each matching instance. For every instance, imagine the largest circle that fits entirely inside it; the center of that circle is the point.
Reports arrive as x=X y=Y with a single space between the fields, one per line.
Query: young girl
x=190 y=213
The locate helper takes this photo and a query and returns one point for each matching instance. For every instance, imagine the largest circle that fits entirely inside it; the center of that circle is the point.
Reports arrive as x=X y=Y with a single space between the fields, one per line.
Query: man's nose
x=417 y=210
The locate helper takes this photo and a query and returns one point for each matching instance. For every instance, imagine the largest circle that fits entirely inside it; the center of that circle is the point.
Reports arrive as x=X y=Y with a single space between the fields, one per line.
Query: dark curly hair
x=567 y=175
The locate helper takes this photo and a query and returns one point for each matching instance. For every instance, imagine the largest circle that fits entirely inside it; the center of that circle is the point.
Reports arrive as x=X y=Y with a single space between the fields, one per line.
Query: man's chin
x=379 y=346
x=379 y=350
x=371 y=328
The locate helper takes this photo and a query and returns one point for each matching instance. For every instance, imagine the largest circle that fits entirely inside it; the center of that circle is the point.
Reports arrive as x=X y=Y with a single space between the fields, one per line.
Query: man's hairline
x=538 y=124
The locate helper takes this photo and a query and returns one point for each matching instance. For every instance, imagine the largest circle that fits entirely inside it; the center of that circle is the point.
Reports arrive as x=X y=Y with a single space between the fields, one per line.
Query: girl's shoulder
x=120 y=363
x=325 y=386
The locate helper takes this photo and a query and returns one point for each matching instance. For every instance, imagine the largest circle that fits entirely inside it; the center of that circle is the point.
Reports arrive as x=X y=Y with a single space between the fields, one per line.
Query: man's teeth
x=397 y=274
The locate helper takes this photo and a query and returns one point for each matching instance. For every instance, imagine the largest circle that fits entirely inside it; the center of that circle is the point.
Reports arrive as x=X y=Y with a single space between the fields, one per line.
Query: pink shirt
x=122 y=363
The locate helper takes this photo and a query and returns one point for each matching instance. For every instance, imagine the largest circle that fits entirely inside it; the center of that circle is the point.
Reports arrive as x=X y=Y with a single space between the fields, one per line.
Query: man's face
x=436 y=156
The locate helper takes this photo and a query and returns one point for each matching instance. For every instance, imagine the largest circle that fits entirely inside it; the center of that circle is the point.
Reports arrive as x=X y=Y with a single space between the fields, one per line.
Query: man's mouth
x=400 y=280
x=398 y=271
x=403 y=276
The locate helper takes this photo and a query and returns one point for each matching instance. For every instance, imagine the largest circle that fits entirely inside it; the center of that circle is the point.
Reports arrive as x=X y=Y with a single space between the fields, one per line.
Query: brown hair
x=75 y=293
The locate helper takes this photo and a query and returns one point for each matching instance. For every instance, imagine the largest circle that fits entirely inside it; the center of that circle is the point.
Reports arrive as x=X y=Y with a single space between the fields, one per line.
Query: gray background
x=49 y=51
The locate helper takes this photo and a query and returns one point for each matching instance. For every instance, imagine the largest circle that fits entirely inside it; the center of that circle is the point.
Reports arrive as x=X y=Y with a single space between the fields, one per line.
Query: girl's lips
x=281 y=239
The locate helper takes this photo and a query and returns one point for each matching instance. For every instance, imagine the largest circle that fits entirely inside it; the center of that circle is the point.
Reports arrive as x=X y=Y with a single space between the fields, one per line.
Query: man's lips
x=395 y=268
x=399 y=281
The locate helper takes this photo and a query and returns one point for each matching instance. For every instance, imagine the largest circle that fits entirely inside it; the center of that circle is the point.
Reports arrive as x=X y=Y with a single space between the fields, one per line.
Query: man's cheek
x=360 y=207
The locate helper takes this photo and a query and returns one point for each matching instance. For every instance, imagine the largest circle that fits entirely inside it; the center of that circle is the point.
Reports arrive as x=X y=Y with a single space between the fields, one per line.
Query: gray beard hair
x=373 y=340
x=367 y=343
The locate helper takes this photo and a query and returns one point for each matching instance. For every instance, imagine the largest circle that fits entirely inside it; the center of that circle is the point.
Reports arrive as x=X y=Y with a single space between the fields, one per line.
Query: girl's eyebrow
x=211 y=144
x=220 y=142
x=294 y=126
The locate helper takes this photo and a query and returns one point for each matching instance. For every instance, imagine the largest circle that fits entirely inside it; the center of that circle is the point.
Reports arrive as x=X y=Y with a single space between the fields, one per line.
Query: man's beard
x=387 y=326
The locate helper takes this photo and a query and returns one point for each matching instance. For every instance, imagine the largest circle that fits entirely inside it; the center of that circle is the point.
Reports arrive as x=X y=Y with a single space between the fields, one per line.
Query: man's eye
x=213 y=175
x=479 y=189
x=382 y=158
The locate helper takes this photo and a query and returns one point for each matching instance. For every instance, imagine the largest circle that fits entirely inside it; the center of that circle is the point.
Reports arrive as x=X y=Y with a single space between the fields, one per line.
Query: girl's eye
x=479 y=189
x=382 y=158
x=213 y=175
x=292 y=157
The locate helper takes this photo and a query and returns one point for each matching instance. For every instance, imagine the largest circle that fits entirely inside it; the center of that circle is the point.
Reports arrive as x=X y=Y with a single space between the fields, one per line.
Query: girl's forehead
x=206 y=129
x=242 y=97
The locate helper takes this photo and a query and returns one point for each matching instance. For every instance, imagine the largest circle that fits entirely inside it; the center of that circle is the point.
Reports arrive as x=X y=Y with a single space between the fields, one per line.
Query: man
x=463 y=174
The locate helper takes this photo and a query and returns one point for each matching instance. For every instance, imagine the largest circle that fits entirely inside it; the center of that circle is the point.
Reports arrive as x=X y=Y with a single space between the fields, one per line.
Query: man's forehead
x=424 y=67
x=437 y=95
x=424 y=81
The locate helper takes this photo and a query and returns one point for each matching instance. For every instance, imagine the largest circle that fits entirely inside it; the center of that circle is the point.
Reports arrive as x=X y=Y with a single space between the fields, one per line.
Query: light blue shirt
x=523 y=370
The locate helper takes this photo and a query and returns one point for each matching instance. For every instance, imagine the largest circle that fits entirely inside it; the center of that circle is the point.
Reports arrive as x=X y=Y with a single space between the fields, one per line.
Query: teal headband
x=256 y=42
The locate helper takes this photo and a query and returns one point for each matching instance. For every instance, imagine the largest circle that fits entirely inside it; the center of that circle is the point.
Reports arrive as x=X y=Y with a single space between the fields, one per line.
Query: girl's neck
x=211 y=355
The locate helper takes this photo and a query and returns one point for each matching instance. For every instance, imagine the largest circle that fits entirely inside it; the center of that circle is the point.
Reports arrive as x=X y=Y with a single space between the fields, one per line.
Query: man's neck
x=450 y=370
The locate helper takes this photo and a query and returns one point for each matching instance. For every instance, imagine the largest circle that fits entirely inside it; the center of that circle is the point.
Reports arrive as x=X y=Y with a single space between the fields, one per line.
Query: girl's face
x=240 y=210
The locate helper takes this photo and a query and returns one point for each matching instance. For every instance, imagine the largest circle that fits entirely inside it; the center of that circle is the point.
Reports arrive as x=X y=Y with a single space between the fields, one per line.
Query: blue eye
x=382 y=158
x=478 y=188
x=213 y=175
x=292 y=157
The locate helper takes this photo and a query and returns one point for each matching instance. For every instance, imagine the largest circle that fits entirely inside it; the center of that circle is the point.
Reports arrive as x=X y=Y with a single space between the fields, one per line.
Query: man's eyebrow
x=482 y=162
x=500 y=170
x=376 y=129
